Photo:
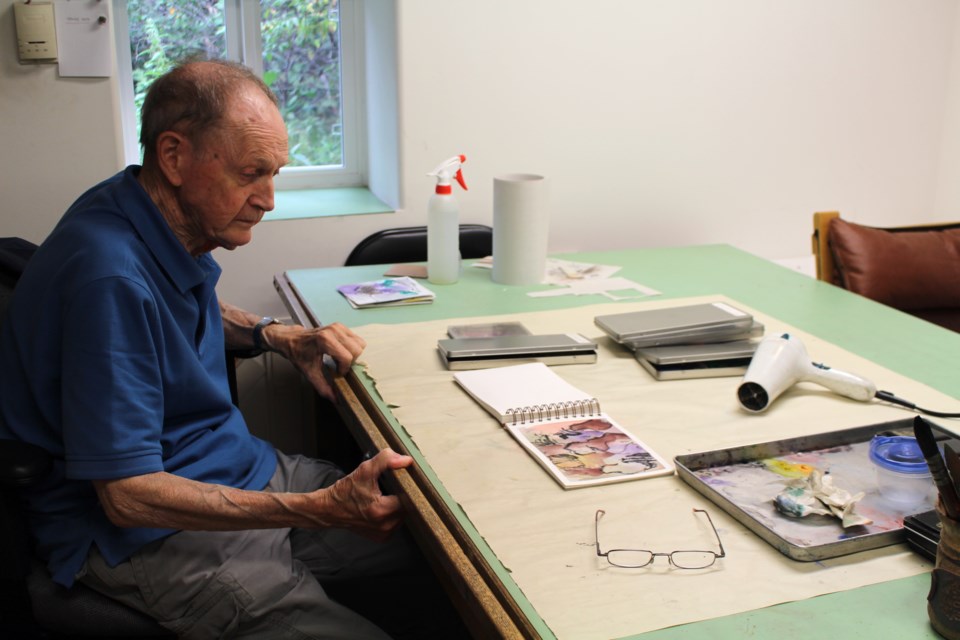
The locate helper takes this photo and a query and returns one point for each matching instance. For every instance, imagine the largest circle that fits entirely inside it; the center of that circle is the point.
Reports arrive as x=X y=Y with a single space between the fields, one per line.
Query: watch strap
x=258 y=332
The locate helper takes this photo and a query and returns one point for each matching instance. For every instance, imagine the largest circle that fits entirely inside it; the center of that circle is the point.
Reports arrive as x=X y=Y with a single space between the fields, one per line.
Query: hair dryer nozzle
x=752 y=396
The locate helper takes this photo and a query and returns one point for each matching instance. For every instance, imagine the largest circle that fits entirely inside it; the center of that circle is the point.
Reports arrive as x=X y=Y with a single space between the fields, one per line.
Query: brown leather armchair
x=915 y=269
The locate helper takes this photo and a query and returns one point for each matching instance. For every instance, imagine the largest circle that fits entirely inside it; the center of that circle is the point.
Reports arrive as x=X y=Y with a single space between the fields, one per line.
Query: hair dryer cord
x=889 y=397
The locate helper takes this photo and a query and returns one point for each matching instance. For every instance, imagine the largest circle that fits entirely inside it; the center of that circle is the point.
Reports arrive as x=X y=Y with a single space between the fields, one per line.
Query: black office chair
x=409 y=244
x=31 y=604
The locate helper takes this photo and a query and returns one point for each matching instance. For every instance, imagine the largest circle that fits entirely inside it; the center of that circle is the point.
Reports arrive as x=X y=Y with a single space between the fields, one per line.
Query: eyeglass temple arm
x=600 y=513
x=716 y=533
x=596 y=531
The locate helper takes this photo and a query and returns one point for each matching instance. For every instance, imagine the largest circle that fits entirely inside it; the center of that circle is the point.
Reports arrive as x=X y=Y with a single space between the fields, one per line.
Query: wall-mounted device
x=36 y=32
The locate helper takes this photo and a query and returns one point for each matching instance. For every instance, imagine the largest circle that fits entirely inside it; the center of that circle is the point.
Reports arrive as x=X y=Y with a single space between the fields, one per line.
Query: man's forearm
x=167 y=501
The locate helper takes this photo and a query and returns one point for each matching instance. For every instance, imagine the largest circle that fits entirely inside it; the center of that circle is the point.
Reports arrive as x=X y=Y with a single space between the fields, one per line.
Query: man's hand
x=305 y=348
x=357 y=502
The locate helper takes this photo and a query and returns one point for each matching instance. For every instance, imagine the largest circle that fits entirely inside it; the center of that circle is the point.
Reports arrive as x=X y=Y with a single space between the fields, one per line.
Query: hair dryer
x=780 y=362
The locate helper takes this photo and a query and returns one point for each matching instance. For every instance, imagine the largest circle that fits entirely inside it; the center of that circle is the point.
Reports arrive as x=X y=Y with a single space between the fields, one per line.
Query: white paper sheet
x=84 y=36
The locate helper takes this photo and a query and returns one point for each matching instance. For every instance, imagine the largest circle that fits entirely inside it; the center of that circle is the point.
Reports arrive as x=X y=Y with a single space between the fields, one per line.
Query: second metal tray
x=744 y=481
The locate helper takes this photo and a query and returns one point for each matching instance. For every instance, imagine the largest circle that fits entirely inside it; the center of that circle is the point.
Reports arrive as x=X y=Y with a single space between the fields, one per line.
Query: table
x=489 y=602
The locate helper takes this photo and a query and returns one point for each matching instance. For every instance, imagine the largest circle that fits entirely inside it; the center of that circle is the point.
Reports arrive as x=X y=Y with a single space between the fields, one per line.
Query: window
x=307 y=51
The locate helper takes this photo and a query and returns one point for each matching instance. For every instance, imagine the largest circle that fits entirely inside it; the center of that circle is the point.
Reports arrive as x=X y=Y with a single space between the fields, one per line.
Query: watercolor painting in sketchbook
x=590 y=449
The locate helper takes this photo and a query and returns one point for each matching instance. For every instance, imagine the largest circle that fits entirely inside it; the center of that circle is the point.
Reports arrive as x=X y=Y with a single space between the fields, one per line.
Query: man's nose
x=262 y=198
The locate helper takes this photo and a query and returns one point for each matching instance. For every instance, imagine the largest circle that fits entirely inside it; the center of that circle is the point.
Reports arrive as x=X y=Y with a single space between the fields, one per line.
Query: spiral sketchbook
x=562 y=427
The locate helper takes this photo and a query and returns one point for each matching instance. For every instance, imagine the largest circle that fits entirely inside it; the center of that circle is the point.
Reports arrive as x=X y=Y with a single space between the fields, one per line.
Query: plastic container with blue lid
x=902 y=473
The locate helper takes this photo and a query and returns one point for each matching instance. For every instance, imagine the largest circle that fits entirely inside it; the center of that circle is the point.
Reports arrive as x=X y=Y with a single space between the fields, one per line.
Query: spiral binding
x=554 y=410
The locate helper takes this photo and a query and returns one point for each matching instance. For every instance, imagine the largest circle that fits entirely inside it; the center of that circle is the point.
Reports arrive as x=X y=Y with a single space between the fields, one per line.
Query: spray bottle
x=443 y=224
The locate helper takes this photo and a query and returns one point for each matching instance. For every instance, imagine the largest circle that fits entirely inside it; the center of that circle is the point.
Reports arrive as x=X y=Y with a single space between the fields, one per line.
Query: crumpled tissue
x=815 y=494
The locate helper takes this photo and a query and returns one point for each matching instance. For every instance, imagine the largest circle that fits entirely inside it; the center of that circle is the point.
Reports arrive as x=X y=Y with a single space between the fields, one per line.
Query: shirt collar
x=183 y=269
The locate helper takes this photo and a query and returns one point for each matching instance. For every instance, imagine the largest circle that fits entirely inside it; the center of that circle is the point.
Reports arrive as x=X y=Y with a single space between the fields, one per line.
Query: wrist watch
x=258 y=332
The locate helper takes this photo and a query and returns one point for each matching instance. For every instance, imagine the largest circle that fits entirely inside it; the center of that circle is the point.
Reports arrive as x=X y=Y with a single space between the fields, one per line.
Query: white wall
x=57 y=137
x=948 y=178
x=657 y=123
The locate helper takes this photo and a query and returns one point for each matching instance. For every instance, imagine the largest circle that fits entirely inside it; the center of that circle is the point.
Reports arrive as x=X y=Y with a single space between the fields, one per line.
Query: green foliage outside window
x=301 y=61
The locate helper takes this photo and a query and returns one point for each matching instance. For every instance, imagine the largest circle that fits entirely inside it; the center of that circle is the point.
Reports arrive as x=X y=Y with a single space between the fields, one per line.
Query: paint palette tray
x=743 y=481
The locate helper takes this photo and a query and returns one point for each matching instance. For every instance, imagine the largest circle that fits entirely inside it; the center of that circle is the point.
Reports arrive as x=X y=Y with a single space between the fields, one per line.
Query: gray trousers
x=267 y=583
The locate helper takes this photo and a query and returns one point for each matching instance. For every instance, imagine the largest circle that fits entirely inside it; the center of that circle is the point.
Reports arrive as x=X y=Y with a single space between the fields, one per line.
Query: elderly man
x=112 y=356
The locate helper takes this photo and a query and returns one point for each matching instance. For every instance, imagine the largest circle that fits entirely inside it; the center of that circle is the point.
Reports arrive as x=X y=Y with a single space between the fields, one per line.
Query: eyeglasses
x=636 y=558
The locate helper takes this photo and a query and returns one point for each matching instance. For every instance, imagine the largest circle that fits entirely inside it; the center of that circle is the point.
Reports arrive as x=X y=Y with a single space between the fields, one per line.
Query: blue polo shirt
x=112 y=358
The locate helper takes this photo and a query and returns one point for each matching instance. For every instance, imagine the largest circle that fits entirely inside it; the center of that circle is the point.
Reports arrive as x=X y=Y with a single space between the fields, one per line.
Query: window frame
x=243 y=41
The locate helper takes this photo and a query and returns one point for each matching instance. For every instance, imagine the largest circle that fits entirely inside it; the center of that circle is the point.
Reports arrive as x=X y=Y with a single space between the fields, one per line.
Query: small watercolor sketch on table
x=387 y=292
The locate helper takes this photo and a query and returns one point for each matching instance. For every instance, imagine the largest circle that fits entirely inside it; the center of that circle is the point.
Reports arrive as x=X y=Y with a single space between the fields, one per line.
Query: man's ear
x=172 y=152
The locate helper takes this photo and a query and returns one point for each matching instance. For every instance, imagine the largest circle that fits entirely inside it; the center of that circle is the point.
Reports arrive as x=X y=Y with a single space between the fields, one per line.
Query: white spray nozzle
x=449 y=168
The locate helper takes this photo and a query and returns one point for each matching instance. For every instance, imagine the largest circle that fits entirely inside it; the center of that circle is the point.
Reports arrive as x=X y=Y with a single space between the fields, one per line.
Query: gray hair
x=192 y=99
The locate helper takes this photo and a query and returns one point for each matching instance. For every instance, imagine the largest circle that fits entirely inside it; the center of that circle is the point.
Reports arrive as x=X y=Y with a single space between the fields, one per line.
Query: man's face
x=228 y=180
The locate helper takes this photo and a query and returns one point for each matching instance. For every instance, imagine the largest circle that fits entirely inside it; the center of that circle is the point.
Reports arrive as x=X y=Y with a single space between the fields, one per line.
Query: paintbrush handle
x=953 y=464
x=938 y=469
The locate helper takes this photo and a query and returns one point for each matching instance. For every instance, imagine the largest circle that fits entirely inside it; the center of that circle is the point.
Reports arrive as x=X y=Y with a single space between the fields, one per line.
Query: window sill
x=297 y=204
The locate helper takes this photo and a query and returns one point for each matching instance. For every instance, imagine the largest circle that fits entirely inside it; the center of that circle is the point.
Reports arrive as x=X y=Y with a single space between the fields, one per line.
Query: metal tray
x=743 y=481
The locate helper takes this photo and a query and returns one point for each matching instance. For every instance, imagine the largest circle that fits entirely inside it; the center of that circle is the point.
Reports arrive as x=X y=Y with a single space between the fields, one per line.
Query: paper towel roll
x=520 y=229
